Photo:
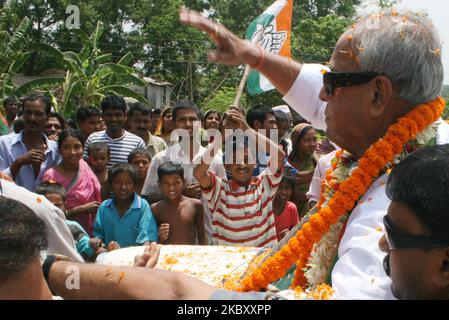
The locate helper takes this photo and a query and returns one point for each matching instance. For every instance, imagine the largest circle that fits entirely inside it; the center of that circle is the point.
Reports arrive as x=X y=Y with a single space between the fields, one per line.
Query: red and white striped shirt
x=243 y=216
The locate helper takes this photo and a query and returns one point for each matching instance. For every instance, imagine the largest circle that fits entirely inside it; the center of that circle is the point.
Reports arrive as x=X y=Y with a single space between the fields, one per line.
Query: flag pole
x=238 y=95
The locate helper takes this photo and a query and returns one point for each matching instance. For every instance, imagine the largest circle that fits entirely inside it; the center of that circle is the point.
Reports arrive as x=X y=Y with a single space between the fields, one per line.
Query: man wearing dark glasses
x=417 y=226
x=381 y=68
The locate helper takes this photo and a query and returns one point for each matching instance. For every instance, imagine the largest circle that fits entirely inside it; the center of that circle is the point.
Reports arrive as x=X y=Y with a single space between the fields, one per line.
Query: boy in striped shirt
x=119 y=141
x=242 y=209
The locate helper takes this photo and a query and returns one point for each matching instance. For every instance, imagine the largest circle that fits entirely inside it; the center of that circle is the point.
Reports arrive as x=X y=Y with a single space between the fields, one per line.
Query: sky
x=437 y=10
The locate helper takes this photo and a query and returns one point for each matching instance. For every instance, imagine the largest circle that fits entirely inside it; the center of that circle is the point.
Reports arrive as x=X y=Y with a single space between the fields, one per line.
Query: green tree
x=12 y=58
x=221 y=100
x=316 y=27
x=166 y=50
x=92 y=74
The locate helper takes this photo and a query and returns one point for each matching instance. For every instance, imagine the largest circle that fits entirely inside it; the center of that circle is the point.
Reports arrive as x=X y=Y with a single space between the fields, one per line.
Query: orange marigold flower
x=372 y=162
x=327 y=215
x=395 y=143
x=338 y=209
x=422 y=116
x=294 y=244
x=287 y=254
x=399 y=131
x=422 y=119
x=318 y=224
x=362 y=176
x=384 y=149
x=368 y=167
x=375 y=158
x=435 y=107
x=305 y=243
x=410 y=125
x=309 y=233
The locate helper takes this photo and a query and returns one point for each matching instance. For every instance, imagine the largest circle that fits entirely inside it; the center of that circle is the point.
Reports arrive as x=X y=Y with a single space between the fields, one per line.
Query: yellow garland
x=343 y=201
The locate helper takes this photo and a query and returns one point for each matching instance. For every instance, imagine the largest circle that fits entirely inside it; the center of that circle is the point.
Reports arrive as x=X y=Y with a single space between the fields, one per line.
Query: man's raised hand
x=231 y=50
x=236 y=117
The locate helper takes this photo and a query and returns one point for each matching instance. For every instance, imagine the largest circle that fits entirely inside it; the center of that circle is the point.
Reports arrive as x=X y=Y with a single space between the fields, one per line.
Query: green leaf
x=18 y=40
x=97 y=34
x=110 y=67
x=126 y=59
x=74 y=61
x=104 y=58
x=72 y=89
x=48 y=49
x=41 y=83
x=19 y=62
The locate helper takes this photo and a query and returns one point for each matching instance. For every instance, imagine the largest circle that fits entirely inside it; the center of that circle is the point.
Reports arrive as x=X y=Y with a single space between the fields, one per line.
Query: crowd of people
x=129 y=175
x=124 y=179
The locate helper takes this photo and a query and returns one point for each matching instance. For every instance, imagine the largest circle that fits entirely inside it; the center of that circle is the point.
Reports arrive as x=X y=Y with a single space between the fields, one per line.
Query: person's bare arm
x=266 y=143
x=112 y=282
x=200 y=171
x=231 y=50
x=86 y=208
x=199 y=221
x=163 y=229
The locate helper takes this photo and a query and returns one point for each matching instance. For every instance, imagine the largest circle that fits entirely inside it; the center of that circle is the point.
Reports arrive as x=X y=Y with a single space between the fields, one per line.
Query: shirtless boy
x=180 y=218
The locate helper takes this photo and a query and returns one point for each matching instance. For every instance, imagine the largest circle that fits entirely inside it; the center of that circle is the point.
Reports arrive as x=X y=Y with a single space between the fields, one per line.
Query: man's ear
x=382 y=92
x=441 y=277
x=257 y=125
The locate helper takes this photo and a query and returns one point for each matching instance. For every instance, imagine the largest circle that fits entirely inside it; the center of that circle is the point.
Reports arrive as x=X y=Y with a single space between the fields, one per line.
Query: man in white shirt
x=188 y=154
x=379 y=74
x=60 y=240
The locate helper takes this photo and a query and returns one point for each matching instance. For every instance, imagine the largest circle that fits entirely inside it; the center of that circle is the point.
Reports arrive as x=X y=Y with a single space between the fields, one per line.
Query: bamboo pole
x=238 y=95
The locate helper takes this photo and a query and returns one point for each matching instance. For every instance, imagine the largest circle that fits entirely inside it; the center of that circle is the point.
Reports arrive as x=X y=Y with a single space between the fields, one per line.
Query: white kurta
x=60 y=240
x=358 y=273
x=324 y=164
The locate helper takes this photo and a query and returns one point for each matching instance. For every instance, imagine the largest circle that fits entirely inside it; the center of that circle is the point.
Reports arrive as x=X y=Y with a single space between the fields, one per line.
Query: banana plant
x=91 y=74
x=12 y=57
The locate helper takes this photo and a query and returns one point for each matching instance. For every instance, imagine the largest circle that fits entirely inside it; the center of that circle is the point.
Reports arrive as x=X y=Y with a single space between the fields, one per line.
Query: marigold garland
x=373 y=161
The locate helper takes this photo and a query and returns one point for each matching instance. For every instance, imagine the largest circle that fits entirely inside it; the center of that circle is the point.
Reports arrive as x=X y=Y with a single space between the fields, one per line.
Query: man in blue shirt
x=125 y=219
x=27 y=155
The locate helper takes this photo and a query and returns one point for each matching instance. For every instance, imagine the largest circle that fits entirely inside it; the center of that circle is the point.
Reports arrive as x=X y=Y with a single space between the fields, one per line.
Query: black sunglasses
x=332 y=80
x=400 y=240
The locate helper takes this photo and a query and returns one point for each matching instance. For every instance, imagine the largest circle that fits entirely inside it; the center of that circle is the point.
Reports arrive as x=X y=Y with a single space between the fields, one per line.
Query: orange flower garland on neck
x=373 y=161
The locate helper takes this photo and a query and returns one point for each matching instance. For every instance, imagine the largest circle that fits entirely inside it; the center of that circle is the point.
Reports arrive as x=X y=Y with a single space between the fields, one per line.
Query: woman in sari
x=75 y=175
x=165 y=125
x=301 y=163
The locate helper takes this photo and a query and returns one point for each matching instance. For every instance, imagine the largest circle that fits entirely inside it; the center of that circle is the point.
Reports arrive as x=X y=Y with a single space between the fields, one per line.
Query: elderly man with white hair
x=378 y=99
